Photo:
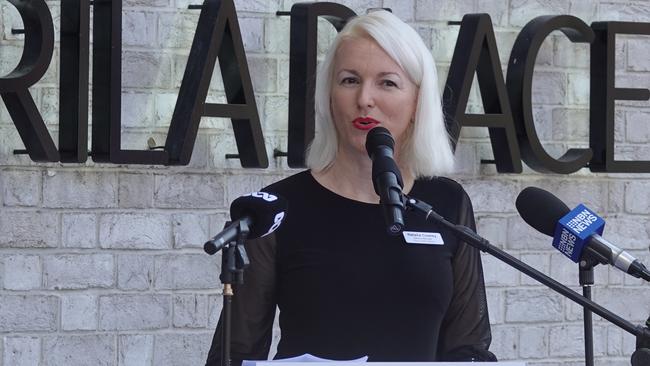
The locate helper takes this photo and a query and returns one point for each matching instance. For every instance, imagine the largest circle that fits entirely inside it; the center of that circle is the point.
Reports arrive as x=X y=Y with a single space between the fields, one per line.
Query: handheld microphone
x=574 y=231
x=261 y=212
x=386 y=177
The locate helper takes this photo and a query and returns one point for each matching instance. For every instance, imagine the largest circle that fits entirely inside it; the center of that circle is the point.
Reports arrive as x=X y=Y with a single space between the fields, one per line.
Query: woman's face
x=369 y=89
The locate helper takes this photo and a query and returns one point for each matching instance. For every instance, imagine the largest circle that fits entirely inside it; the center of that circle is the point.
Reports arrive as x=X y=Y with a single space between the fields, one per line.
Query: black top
x=346 y=289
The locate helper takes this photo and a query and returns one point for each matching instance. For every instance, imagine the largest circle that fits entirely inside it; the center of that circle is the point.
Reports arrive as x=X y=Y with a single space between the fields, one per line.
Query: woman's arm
x=465 y=332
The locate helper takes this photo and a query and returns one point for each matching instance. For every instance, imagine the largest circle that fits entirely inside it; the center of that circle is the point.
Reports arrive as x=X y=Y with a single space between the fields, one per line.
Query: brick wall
x=102 y=264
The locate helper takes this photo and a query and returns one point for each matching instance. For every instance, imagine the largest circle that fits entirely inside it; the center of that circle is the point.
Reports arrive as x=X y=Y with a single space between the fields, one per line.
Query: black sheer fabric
x=346 y=289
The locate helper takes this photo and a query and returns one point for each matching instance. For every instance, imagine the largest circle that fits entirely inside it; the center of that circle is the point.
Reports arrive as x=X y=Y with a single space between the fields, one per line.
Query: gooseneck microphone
x=574 y=231
x=261 y=212
x=386 y=178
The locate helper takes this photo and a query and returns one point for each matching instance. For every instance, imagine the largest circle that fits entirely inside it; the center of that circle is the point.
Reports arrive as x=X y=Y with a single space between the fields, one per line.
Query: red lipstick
x=365 y=123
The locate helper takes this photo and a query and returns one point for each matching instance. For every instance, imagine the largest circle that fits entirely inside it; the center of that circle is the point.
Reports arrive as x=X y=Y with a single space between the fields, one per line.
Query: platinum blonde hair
x=427 y=151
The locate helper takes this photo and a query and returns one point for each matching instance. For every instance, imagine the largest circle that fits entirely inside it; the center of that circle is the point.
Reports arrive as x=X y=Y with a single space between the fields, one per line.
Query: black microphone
x=574 y=230
x=261 y=212
x=386 y=177
x=641 y=357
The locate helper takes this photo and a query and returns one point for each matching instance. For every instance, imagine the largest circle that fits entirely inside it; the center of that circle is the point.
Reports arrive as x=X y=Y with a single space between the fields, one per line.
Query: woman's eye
x=389 y=83
x=349 y=80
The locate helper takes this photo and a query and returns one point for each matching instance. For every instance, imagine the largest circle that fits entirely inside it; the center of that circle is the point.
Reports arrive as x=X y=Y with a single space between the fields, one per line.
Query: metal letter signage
x=507 y=105
x=520 y=80
x=476 y=50
x=302 y=75
x=37 y=53
x=107 y=90
x=73 y=83
x=217 y=34
x=603 y=95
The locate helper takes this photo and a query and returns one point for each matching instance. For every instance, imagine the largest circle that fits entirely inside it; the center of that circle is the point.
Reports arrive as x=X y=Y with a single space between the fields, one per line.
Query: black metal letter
x=37 y=54
x=107 y=90
x=476 y=50
x=604 y=94
x=73 y=83
x=302 y=75
x=519 y=81
x=217 y=34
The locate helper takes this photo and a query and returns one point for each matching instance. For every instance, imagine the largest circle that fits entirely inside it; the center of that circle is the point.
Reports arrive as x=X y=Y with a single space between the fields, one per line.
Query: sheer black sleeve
x=465 y=333
x=253 y=307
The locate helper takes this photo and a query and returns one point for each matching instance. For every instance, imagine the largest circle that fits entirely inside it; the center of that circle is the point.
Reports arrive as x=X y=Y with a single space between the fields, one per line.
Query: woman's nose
x=366 y=97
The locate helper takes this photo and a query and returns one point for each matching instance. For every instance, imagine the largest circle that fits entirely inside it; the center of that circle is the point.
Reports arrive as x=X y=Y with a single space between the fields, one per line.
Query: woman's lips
x=365 y=123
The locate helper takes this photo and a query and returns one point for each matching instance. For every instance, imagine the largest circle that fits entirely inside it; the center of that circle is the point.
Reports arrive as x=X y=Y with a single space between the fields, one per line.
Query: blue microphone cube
x=573 y=230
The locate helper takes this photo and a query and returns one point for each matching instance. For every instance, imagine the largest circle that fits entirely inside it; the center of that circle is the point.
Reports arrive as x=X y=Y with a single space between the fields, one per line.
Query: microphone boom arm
x=470 y=237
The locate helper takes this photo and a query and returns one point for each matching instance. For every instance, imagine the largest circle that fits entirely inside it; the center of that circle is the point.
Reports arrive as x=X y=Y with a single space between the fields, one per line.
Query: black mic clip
x=393 y=208
x=237 y=230
x=234 y=259
x=641 y=355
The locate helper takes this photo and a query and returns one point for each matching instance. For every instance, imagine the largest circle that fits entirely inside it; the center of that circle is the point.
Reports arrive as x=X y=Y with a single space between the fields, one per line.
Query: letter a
x=476 y=50
x=217 y=34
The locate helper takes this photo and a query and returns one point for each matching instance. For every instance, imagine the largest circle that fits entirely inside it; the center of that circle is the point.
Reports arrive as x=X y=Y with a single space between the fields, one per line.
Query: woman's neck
x=350 y=176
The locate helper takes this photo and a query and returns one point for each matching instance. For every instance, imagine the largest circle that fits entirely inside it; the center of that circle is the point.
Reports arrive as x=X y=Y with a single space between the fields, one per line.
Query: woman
x=344 y=287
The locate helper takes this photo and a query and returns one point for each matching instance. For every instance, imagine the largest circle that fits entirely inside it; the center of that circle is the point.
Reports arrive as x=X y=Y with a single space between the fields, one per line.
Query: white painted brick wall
x=22 y=188
x=29 y=313
x=134 y=271
x=79 y=350
x=181 y=348
x=188 y=191
x=123 y=230
x=79 y=230
x=25 y=229
x=190 y=311
x=79 y=312
x=136 y=349
x=190 y=271
x=102 y=264
x=22 y=272
x=78 y=271
x=548 y=308
x=78 y=189
x=132 y=312
x=22 y=351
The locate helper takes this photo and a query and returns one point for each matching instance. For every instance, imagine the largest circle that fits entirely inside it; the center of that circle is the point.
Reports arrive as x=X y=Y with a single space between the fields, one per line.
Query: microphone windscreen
x=265 y=209
x=540 y=209
x=641 y=356
x=378 y=136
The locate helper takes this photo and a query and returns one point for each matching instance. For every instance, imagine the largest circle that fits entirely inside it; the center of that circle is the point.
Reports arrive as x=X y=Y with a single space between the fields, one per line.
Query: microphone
x=640 y=357
x=386 y=177
x=261 y=212
x=574 y=231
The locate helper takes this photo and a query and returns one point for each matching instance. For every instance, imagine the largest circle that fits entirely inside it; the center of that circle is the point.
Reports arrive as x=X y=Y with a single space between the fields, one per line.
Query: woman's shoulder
x=447 y=197
x=440 y=186
x=292 y=184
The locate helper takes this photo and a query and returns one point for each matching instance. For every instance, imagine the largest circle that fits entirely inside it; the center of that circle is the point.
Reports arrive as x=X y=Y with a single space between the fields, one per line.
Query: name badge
x=419 y=237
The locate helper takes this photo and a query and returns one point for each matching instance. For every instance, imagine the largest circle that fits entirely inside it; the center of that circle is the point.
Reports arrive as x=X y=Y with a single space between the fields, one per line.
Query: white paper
x=302 y=358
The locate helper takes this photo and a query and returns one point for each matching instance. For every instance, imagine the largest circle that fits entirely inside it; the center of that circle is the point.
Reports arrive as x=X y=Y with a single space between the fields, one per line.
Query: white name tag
x=419 y=237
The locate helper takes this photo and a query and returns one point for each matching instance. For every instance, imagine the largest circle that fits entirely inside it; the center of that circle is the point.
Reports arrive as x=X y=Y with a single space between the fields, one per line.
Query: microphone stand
x=589 y=260
x=467 y=235
x=233 y=262
x=641 y=355
x=586 y=278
